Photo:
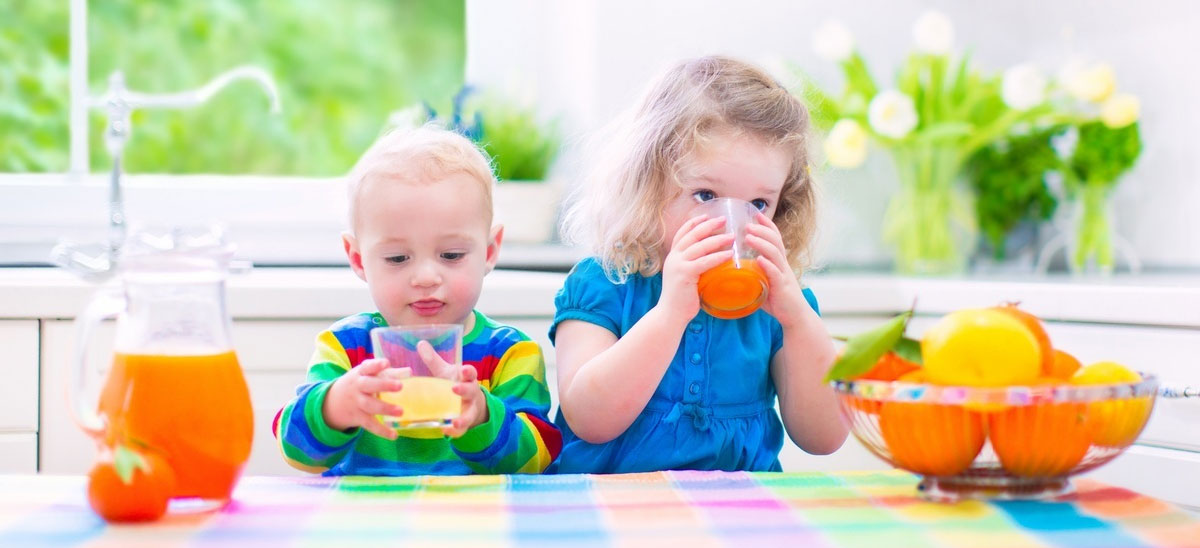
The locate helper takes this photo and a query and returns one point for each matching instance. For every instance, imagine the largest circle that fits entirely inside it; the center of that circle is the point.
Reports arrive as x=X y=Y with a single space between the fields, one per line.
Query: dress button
x=695 y=357
x=694 y=388
x=696 y=327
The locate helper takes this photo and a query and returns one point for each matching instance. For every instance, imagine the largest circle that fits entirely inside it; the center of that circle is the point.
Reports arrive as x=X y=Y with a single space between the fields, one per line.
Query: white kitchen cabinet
x=18 y=453
x=19 y=396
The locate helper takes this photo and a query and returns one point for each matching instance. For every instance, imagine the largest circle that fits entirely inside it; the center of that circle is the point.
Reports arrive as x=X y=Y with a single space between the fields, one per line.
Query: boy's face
x=423 y=248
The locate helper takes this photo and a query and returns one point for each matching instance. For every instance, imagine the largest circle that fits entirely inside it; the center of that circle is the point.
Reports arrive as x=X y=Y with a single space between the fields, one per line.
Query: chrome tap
x=119 y=102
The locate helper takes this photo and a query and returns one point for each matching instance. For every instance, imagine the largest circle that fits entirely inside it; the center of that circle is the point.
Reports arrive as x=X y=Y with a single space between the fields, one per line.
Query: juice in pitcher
x=194 y=409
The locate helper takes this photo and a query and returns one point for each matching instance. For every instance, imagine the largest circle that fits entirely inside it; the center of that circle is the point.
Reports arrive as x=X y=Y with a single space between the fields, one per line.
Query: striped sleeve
x=518 y=436
x=305 y=440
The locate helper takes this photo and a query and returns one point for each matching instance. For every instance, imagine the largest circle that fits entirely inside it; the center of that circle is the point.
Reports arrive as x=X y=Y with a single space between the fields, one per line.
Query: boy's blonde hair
x=618 y=210
x=420 y=155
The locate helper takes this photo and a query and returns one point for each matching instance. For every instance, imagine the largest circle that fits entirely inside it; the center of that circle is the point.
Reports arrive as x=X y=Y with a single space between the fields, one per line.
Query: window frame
x=301 y=226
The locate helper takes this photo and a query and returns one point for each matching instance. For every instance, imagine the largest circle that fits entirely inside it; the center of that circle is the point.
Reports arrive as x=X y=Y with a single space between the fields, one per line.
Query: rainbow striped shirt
x=517 y=438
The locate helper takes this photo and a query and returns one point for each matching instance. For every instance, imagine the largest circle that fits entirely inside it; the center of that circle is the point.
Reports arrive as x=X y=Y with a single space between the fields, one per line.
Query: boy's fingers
x=375 y=406
x=396 y=373
x=371 y=367
x=372 y=425
x=375 y=385
x=469 y=374
x=432 y=360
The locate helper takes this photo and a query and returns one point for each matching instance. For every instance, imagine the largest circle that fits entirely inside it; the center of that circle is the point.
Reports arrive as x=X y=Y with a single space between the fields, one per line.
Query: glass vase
x=930 y=221
x=1090 y=249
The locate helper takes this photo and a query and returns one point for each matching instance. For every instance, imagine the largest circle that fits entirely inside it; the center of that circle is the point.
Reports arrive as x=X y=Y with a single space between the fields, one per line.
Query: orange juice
x=195 y=409
x=730 y=292
x=426 y=401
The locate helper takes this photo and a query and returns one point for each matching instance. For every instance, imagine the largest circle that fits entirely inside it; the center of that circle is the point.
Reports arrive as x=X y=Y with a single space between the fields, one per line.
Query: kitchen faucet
x=119 y=102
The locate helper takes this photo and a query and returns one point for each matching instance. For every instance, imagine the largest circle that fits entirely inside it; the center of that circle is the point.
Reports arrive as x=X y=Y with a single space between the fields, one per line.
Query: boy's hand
x=785 y=300
x=695 y=250
x=474 y=405
x=352 y=400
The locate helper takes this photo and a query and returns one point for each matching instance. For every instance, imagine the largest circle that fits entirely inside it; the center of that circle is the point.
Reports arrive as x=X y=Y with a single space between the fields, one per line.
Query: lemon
x=980 y=347
x=1114 y=423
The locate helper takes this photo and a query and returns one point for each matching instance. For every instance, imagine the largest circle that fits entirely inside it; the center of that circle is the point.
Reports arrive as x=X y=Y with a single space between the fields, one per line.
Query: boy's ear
x=493 y=248
x=350 y=243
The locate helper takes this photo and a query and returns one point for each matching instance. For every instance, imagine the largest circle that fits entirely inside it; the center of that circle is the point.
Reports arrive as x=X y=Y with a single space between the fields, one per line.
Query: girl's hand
x=694 y=250
x=474 y=405
x=353 y=399
x=785 y=298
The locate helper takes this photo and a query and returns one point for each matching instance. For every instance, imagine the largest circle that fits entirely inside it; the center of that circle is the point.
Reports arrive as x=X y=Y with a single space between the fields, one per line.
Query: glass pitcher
x=173 y=384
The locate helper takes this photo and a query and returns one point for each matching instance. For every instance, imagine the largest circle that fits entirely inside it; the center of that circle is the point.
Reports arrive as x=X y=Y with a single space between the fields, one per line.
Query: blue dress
x=714 y=408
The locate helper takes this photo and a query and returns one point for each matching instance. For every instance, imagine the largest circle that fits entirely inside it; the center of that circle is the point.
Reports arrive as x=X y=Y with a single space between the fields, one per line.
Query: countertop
x=325 y=292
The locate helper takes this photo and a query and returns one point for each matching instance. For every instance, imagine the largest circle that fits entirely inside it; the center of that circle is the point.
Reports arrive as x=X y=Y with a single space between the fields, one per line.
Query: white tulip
x=1024 y=87
x=934 y=33
x=846 y=146
x=891 y=114
x=1120 y=110
x=833 y=41
x=1093 y=83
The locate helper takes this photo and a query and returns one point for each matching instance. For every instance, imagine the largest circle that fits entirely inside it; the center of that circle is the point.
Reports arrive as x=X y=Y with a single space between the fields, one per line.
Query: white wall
x=588 y=59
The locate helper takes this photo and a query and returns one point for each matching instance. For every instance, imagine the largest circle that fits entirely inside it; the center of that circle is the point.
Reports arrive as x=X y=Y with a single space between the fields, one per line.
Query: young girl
x=646 y=380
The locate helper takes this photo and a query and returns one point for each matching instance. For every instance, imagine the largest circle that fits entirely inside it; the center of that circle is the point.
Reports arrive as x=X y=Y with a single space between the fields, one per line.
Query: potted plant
x=522 y=148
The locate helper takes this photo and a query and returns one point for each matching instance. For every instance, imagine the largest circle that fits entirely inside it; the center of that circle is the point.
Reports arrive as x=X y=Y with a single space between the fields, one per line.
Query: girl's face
x=729 y=165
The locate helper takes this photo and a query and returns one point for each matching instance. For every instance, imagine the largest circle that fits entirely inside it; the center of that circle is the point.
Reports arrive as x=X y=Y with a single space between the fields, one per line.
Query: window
x=341 y=68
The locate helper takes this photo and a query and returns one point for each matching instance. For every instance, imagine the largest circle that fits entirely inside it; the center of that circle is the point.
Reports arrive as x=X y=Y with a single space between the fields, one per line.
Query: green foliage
x=1102 y=153
x=341 y=67
x=34 y=86
x=863 y=350
x=522 y=148
x=1008 y=178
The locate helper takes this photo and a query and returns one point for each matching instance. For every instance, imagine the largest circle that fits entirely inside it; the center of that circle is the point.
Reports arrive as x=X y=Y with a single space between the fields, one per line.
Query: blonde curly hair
x=617 y=211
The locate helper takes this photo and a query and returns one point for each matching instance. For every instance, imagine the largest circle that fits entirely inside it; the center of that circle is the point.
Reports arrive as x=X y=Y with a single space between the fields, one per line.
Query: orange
x=728 y=291
x=1043 y=440
x=980 y=347
x=889 y=367
x=1064 y=366
x=127 y=485
x=1116 y=422
x=931 y=439
x=1035 y=327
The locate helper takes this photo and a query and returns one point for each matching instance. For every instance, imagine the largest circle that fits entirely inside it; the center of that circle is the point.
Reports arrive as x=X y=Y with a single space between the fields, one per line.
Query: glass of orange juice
x=736 y=288
x=426 y=398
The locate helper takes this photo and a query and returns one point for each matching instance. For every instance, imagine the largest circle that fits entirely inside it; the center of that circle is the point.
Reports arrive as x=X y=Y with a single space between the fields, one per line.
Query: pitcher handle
x=87 y=380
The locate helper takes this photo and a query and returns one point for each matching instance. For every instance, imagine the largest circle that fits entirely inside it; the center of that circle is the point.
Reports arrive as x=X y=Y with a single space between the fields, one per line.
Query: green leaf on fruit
x=909 y=349
x=863 y=350
x=125 y=460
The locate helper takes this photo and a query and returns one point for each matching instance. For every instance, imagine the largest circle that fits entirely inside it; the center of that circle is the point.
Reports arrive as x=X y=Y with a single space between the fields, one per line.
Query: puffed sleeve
x=588 y=295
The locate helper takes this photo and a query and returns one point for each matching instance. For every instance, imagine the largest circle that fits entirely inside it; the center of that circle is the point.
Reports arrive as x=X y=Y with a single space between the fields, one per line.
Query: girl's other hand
x=697 y=248
x=353 y=399
x=785 y=300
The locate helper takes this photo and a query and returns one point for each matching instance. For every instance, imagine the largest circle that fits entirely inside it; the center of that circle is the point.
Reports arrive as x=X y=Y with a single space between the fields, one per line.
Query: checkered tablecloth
x=673 y=509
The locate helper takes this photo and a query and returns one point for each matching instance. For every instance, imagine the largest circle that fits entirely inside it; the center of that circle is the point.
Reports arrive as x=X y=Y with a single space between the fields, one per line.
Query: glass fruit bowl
x=1013 y=442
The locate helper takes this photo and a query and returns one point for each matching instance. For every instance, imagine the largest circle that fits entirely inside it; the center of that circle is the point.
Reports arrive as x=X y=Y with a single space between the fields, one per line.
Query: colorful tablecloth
x=678 y=509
